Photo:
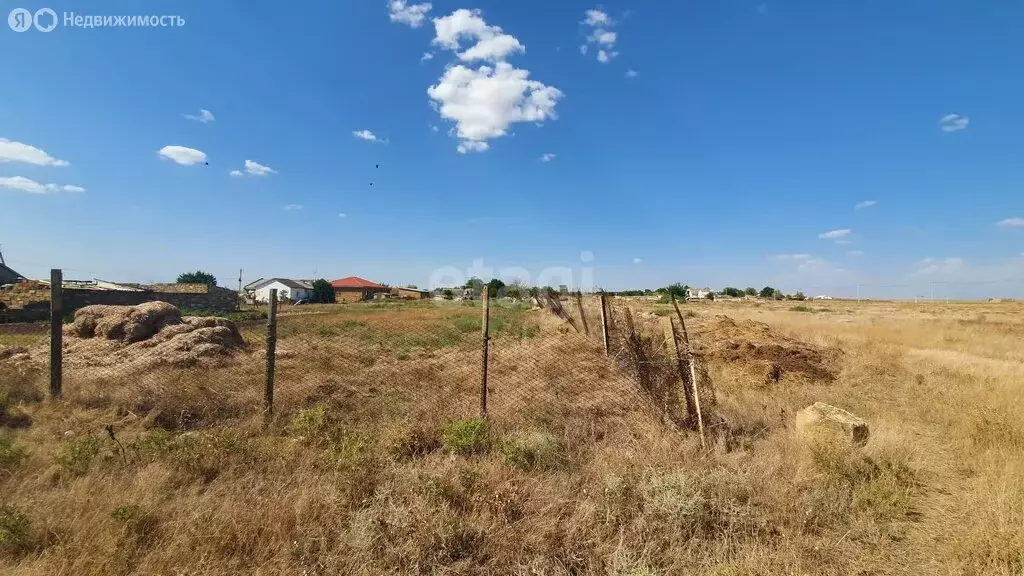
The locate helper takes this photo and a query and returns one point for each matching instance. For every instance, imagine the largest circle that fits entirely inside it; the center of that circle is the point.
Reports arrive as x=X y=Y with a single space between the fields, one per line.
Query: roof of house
x=413 y=290
x=295 y=284
x=9 y=274
x=355 y=282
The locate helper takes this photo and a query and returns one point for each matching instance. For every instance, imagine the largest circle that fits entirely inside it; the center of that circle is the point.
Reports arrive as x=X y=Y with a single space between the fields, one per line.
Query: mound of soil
x=760 y=348
x=146 y=336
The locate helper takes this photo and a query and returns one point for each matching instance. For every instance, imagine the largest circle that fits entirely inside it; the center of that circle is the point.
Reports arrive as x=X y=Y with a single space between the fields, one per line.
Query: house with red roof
x=356 y=289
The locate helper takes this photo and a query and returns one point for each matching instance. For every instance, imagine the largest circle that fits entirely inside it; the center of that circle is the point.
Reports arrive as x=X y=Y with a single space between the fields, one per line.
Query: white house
x=291 y=290
x=697 y=293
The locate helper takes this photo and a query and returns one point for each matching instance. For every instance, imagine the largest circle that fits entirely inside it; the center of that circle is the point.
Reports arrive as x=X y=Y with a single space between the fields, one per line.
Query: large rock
x=822 y=421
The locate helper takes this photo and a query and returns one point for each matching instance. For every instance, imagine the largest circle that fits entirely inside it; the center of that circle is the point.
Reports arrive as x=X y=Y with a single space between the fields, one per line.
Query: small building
x=287 y=289
x=356 y=289
x=697 y=293
x=8 y=276
x=410 y=293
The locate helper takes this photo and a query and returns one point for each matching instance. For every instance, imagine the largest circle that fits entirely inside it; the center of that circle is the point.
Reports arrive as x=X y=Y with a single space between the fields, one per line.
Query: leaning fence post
x=268 y=392
x=486 y=325
x=684 y=374
x=693 y=375
x=56 y=332
x=583 y=314
x=604 y=322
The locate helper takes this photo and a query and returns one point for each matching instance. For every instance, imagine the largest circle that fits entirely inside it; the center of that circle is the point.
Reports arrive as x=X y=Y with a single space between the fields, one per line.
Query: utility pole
x=239 y=280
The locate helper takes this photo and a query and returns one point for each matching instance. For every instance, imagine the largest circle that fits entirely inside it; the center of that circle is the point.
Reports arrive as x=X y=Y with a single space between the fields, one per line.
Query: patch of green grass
x=882 y=486
x=76 y=455
x=310 y=423
x=470 y=436
x=466 y=324
x=801 y=308
x=14 y=535
x=11 y=456
x=533 y=451
x=412 y=440
x=126 y=513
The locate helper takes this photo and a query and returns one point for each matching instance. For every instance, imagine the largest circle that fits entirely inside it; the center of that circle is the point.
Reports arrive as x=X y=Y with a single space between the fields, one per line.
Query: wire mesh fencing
x=24 y=366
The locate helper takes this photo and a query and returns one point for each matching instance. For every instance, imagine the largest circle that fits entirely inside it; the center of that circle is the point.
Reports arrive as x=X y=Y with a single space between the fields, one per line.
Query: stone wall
x=32 y=298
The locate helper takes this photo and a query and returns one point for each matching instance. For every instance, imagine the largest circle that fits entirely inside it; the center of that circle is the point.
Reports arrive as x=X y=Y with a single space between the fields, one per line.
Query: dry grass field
x=375 y=464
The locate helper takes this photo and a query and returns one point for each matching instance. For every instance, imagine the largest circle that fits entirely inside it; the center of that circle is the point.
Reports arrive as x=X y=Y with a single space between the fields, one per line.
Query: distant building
x=697 y=293
x=291 y=290
x=356 y=289
x=410 y=293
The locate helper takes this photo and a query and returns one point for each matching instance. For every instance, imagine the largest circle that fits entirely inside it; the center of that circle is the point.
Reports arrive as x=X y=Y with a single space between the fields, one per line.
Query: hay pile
x=758 y=348
x=146 y=336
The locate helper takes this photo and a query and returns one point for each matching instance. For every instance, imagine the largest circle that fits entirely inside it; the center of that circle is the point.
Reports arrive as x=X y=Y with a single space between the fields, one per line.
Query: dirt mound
x=141 y=337
x=761 y=349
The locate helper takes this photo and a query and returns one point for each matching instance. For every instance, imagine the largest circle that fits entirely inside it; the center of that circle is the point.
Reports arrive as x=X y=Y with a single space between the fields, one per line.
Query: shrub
x=466 y=436
x=533 y=451
x=77 y=454
x=801 y=308
x=11 y=456
x=14 y=537
x=408 y=441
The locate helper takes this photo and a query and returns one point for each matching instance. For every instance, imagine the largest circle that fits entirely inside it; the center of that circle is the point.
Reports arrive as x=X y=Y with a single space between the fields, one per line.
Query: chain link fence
x=568 y=363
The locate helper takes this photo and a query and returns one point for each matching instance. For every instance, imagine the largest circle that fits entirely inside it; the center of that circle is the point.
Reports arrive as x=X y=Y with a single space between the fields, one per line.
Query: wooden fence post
x=56 y=332
x=693 y=374
x=583 y=314
x=268 y=391
x=604 y=322
x=681 y=367
x=485 y=329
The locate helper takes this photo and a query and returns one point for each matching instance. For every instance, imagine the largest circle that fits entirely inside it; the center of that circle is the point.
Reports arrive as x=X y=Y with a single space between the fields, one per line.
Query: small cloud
x=791 y=256
x=182 y=155
x=1011 y=223
x=604 y=56
x=954 y=123
x=22 y=184
x=583 y=49
x=855 y=253
x=204 y=116
x=547 y=157
x=292 y=207
x=865 y=204
x=472 y=146
x=632 y=73
x=637 y=260
x=596 y=17
x=414 y=15
x=235 y=173
x=834 y=234
x=427 y=56
x=603 y=37
x=342 y=215
x=257 y=169
x=11 y=151
x=434 y=128
x=367 y=135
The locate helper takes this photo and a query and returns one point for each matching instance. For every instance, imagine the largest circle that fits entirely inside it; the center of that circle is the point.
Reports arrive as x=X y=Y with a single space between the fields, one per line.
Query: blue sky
x=705 y=142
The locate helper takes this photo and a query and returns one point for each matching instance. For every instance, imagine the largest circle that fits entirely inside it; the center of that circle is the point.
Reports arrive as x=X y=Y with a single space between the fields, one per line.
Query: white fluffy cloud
x=204 y=116
x=256 y=169
x=491 y=44
x=342 y=215
x=637 y=260
x=954 y=123
x=937 y=266
x=22 y=184
x=182 y=155
x=834 y=234
x=292 y=207
x=235 y=173
x=1011 y=223
x=367 y=135
x=427 y=56
x=413 y=15
x=600 y=36
x=484 y=102
x=547 y=157
x=632 y=73
x=11 y=151
x=865 y=204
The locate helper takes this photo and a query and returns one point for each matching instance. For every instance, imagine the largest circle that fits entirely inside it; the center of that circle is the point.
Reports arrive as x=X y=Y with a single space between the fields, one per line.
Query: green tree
x=411 y=286
x=732 y=292
x=495 y=288
x=767 y=292
x=799 y=296
x=447 y=294
x=516 y=290
x=197 y=277
x=322 y=292
x=710 y=296
x=678 y=290
x=751 y=291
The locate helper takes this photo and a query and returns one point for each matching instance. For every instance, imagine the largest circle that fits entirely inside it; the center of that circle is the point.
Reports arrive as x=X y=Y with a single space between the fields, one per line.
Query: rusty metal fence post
x=268 y=391
x=56 y=332
x=486 y=324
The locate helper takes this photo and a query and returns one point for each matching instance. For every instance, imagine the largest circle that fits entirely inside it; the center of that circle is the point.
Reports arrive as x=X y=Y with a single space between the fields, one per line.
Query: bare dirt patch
x=759 y=348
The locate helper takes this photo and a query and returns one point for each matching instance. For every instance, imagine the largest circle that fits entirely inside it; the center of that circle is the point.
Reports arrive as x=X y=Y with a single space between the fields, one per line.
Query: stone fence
x=29 y=301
